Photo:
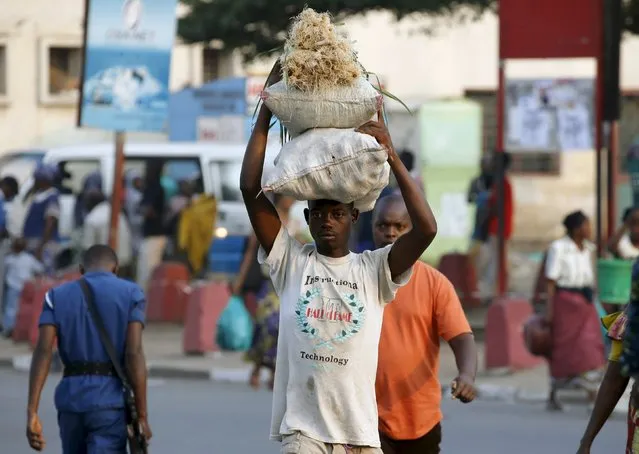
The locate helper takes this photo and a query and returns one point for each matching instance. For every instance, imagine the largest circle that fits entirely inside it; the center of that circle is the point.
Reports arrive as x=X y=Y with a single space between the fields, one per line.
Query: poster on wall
x=549 y=115
x=127 y=61
x=224 y=128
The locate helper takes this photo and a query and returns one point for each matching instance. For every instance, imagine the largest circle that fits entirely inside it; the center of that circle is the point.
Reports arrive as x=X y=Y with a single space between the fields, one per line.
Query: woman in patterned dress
x=263 y=349
x=612 y=387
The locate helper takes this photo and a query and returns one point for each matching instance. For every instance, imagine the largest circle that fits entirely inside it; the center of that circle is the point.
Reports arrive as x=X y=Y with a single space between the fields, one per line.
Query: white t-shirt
x=96 y=231
x=569 y=266
x=330 y=322
x=21 y=268
x=627 y=250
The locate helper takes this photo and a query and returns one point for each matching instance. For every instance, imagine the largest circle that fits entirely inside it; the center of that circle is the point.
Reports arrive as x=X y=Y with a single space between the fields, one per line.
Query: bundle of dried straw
x=318 y=57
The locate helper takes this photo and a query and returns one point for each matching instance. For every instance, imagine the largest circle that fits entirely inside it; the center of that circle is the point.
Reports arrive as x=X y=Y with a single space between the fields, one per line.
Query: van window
x=230 y=179
x=20 y=165
x=176 y=169
x=73 y=173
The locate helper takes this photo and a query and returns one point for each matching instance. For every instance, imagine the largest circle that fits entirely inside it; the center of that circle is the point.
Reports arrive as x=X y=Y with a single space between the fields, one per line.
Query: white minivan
x=218 y=164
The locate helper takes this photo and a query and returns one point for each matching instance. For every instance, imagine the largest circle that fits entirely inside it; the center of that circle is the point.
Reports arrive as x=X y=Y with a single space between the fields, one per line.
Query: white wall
x=452 y=58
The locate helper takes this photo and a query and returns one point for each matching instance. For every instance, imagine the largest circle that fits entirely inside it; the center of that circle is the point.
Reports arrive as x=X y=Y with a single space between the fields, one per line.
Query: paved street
x=205 y=417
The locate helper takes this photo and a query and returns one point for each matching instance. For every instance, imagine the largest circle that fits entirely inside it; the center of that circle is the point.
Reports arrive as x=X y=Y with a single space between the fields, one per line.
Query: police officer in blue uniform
x=89 y=398
x=40 y=228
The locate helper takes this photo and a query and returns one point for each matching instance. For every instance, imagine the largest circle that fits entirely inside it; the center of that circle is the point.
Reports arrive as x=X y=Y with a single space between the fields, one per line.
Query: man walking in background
x=8 y=191
x=89 y=398
x=425 y=310
x=488 y=262
x=97 y=225
x=41 y=223
x=153 y=208
x=365 y=222
x=479 y=194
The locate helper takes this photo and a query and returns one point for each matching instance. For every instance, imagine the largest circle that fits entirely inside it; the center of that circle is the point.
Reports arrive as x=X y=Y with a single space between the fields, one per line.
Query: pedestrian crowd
x=157 y=220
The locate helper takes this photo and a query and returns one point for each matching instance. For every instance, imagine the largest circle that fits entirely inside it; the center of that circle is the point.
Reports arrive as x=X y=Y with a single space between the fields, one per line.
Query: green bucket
x=615 y=280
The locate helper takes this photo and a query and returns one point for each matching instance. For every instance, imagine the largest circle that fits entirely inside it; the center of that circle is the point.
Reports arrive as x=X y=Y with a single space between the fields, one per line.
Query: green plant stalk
x=386 y=93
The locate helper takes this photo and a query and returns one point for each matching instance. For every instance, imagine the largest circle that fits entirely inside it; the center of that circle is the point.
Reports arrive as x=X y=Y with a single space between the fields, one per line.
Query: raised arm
x=409 y=247
x=264 y=218
x=613 y=242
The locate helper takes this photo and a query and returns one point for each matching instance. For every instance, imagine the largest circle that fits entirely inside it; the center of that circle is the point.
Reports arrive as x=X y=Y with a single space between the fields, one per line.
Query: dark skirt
x=577 y=343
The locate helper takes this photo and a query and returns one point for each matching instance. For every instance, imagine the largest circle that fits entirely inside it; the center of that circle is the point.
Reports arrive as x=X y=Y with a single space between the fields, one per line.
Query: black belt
x=87 y=368
x=586 y=292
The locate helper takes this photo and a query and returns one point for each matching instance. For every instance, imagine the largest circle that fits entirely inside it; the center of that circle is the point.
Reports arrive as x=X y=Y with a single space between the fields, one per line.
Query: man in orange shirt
x=425 y=310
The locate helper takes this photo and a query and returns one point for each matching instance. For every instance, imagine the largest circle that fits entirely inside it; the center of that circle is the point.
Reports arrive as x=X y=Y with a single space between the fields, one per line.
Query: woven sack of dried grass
x=332 y=164
x=340 y=107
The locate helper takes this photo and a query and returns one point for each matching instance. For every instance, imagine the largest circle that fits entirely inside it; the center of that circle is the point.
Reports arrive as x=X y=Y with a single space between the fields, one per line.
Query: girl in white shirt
x=577 y=348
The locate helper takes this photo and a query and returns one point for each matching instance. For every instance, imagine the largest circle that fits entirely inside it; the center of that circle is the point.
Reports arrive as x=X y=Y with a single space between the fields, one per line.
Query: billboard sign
x=127 y=62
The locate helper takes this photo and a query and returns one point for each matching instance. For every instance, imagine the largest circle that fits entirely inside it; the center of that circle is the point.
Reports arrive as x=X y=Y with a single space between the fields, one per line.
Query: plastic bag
x=331 y=164
x=235 y=326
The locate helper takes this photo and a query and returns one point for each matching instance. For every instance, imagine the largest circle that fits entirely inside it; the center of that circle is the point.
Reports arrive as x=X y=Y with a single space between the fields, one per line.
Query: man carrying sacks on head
x=332 y=303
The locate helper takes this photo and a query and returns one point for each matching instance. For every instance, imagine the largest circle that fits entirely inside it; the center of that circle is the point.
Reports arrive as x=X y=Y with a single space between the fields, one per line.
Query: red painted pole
x=599 y=96
x=502 y=264
x=612 y=147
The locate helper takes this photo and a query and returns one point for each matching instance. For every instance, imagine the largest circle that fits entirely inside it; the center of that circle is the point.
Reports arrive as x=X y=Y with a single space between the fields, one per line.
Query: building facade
x=40 y=65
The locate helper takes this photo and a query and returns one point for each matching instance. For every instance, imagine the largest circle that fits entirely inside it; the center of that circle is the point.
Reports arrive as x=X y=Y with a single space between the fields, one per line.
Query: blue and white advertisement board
x=127 y=62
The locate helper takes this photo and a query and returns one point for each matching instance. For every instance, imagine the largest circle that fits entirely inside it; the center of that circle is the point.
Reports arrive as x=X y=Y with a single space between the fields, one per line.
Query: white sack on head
x=331 y=164
x=339 y=107
x=368 y=202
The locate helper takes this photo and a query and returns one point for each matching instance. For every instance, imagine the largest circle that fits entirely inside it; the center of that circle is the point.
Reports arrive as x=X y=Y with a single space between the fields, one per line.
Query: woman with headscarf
x=195 y=232
x=577 y=355
x=40 y=228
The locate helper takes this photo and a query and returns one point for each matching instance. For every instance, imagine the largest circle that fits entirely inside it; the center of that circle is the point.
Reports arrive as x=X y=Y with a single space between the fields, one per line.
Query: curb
x=22 y=363
x=485 y=391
